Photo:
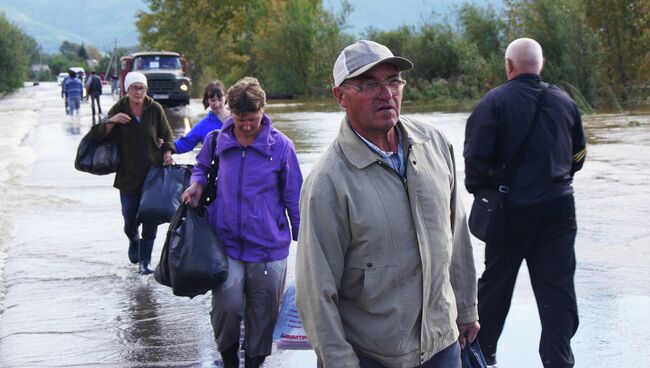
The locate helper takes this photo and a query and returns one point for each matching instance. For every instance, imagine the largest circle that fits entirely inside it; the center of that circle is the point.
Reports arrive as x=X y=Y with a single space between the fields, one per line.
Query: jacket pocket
x=367 y=280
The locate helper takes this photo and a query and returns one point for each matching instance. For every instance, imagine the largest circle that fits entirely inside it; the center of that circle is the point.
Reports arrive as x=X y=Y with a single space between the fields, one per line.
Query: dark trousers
x=94 y=99
x=130 y=206
x=447 y=358
x=544 y=236
x=252 y=292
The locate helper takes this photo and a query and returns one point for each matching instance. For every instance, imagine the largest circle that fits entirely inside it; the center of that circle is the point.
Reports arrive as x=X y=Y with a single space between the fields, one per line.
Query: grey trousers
x=251 y=292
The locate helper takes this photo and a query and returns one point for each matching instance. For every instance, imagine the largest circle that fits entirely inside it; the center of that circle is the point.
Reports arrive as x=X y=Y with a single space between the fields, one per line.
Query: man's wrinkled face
x=372 y=100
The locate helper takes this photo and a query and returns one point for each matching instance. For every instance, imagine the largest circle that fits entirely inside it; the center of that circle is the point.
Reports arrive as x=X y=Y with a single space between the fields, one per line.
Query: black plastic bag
x=472 y=356
x=193 y=260
x=162 y=191
x=97 y=157
x=162 y=273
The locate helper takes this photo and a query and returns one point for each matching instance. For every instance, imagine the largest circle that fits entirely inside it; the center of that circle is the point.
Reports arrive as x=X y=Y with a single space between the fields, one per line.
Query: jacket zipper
x=239 y=204
x=402 y=179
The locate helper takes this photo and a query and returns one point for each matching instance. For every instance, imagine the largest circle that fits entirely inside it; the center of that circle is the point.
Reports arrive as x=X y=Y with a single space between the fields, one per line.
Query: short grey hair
x=526 y=55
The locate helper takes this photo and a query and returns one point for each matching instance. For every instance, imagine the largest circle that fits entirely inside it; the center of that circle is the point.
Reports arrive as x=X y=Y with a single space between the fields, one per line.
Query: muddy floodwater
x=70 y=298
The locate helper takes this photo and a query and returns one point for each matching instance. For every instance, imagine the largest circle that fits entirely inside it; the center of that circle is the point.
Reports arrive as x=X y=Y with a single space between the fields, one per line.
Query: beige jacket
x=384 y=267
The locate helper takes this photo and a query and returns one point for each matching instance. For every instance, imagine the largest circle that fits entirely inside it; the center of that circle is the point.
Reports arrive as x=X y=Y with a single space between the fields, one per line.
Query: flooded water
x=70 y=298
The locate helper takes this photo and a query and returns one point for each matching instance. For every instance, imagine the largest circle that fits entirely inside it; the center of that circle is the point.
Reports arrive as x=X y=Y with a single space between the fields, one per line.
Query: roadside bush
x=13 y=56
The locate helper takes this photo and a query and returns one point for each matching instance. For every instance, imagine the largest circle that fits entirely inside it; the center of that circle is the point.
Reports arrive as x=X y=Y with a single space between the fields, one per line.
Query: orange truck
x=167 y=75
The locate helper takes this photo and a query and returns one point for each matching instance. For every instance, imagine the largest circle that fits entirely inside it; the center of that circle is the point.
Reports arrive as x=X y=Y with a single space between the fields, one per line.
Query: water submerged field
x=70 y=297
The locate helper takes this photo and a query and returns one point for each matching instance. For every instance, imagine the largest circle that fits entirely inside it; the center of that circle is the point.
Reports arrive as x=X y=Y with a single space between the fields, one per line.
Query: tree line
x=16 y=48
x=597 y=50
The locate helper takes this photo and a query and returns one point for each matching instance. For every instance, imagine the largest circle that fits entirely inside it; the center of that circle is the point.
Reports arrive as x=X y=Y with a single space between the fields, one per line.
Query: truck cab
x=167 y=75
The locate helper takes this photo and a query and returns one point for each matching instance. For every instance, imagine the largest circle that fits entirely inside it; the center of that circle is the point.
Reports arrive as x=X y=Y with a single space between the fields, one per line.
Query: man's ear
x=338 y=93
x=510 y=69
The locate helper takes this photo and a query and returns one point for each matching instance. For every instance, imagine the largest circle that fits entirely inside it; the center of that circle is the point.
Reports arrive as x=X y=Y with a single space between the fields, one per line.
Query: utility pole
x=113 y=60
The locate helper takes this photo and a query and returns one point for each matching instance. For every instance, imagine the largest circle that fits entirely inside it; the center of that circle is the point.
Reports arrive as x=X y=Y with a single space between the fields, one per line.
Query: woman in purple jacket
x=258 y=185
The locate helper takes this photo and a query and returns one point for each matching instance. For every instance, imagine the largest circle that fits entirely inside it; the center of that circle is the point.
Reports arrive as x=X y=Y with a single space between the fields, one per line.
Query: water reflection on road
x=71 y=298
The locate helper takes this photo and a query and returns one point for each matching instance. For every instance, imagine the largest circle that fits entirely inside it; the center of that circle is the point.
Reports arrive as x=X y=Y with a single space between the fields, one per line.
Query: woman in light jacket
x=258 y=185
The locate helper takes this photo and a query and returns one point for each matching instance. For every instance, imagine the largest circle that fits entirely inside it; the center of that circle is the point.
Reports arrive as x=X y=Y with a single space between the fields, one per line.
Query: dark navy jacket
x=498 y=125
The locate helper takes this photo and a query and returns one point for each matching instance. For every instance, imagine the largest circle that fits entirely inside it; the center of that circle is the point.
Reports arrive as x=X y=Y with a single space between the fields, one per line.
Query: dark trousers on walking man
x=543 y=235
x=94 y=98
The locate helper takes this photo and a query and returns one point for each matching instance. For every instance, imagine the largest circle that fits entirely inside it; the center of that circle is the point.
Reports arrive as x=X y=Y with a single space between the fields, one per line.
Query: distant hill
x=91 y=22
x=100 y=22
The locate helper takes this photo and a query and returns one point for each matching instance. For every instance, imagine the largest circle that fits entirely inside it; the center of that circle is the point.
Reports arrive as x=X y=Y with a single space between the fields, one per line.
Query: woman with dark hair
x=214 y=96
x=258 y=185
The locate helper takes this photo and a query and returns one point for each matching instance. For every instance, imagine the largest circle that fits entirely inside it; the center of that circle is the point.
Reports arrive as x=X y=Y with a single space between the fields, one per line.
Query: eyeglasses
x=137 y=88
x=372 y=88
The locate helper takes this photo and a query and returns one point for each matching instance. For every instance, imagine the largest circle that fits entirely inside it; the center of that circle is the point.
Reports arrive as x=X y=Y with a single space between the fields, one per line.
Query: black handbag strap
x=214 y=164
x=508 y=168
x=214 y=169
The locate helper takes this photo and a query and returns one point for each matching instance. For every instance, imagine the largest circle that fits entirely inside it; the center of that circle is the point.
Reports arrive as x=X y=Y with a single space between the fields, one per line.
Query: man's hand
x=193 y=194
x=468 y=332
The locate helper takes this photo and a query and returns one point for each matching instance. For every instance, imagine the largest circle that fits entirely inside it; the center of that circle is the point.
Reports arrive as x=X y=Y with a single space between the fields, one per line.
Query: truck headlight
x=183 y=87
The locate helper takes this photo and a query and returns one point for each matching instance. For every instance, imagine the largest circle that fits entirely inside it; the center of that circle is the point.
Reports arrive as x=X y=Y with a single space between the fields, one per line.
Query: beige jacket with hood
x=385 y=266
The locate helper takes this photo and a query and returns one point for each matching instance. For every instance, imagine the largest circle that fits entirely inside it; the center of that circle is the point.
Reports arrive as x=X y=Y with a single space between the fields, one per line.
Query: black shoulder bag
x=210 y=192
x=97 y=157
x=487 y=217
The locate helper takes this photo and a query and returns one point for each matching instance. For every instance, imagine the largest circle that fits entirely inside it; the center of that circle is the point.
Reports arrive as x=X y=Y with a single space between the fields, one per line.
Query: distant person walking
x=73 y=91
x=114 y=82
x=94 y=90
x=214 y=97
x=137 y=123
x=540 y=221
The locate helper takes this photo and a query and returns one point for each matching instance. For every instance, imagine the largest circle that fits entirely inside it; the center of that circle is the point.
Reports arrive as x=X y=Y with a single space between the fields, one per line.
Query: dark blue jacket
x=498 y=125
x=198 y=133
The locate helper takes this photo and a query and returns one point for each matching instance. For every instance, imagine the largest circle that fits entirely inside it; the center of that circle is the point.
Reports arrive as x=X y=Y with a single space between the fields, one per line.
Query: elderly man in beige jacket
x=385 y=270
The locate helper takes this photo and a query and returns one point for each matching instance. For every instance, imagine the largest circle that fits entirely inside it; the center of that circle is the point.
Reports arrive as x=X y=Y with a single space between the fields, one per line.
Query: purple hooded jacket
x=257 y=187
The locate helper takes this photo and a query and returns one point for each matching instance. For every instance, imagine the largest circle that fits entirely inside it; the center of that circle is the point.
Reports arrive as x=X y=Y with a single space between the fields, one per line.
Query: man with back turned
x=540 y=224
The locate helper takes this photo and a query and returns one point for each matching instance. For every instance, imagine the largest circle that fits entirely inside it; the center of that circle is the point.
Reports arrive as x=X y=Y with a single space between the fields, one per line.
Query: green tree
x=624 y=30
x=296 y=47
x=226 y=39
x=82 y=54
x=571 y=49
x=205 y=31
x=484 y=29
x=70 y=50
x=14 y=58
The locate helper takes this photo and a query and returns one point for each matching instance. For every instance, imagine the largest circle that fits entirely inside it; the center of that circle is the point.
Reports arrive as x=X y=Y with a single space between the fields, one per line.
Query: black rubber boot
x=134 y=249
x=144 y=255
x=230 y=357
x=254 y=362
